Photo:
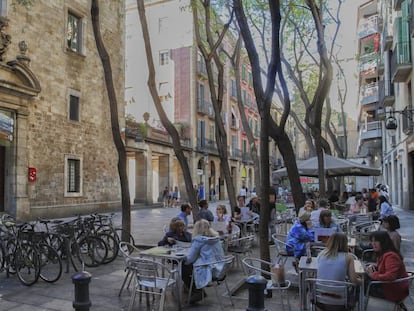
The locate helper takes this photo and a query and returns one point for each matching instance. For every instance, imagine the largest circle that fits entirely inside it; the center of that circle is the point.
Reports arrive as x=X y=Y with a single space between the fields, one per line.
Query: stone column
x=22 y=207
x=141 y=178
x=164 y=172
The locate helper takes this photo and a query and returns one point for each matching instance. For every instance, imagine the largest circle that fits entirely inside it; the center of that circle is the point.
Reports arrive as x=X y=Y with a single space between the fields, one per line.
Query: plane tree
x=210 y=33
x=165 y=121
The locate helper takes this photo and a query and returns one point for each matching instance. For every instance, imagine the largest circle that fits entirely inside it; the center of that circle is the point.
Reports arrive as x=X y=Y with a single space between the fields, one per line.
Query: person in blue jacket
x=206 y=247
x=299 y=237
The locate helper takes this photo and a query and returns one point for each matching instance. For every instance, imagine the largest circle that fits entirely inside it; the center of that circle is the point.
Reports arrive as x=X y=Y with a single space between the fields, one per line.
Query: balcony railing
x=369 y=94
x=407 y=120
x=397 y=4
x=401 y=65
x=246 y=157
x=206 y=145
x=211 y=112
x=236 y=153
x=368 y=26
x=386 y=93
x=368 y=64
x=411 y=21
x=370 y=130
x=202 y=106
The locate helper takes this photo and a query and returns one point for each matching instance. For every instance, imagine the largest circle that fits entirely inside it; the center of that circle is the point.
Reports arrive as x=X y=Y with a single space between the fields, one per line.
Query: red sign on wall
x=32 y=174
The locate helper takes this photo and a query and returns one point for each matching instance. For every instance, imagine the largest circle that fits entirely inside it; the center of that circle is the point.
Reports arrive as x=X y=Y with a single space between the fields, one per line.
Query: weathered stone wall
x=51 y=135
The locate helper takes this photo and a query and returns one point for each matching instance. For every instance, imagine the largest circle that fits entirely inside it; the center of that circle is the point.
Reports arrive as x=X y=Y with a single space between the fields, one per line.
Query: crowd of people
x=385 y=243
x=316 y=213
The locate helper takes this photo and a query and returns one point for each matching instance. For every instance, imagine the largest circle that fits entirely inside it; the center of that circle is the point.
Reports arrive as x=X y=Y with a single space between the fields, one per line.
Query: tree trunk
x=235 y=61
x=113 y=104
x=209 y=49
x=172 y=131
x=264 y=98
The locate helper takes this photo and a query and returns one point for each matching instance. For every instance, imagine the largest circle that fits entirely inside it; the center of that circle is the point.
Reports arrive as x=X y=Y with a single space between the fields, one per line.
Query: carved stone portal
x=5 y=38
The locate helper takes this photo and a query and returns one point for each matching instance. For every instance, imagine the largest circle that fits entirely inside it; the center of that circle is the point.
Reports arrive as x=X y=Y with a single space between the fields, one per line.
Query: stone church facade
x=57 y=156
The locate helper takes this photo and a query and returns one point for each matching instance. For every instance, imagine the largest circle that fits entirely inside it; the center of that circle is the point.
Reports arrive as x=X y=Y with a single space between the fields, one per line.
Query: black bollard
x=81 y=281
x=256 y=285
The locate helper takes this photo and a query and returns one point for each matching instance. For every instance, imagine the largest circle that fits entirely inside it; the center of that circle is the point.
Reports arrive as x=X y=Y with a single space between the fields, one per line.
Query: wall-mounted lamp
x=391 y=121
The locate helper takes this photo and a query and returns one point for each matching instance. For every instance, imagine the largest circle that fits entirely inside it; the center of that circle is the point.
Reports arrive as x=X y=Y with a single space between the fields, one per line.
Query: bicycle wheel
x=121 y=232
x=50 y=263
x=9 y=262
x=92 y=251
x=2 y=257
x=75 y=257
x=55 y=241
x=27 y=264
x=111 y=245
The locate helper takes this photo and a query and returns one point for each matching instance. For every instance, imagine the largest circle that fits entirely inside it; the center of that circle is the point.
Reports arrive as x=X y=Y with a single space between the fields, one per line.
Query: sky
x=347 y=39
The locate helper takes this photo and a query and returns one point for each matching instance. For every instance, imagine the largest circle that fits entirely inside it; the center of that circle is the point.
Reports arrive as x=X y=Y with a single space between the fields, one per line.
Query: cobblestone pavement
x=106 y=280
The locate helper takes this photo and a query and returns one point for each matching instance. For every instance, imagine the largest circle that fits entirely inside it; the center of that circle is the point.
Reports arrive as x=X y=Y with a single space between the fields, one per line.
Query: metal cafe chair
x=329 y=295
x=253 y=266
x=127 y=250
x=152 y=278
x=378 y=304
x=226 y=263
x=241 y=247
x=280 y=245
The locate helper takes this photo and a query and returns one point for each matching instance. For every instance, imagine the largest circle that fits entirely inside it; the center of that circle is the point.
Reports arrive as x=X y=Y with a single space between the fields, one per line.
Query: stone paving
x=107 y=279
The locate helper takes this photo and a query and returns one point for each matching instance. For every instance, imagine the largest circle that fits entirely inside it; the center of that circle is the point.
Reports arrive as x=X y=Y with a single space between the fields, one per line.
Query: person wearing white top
x=323 y=204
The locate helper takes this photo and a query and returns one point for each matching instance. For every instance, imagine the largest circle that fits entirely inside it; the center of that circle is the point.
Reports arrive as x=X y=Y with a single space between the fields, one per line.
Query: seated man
x=205 y=213
x=185 y=212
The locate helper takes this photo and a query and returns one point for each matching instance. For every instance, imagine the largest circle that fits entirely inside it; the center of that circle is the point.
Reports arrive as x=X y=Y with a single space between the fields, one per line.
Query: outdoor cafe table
x=176 y=255
x=312 y=267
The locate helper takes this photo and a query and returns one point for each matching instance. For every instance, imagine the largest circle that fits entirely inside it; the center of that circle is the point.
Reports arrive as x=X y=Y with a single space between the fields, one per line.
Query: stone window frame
x=80 y=49
x=78 y=179
x=76 y=93
x=3 y=8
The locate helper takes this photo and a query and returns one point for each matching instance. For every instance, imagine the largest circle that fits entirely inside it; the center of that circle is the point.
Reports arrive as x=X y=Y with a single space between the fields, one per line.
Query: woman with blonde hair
x=340 y=262
x=221 y=214
x=335 y=263
x=206 y=247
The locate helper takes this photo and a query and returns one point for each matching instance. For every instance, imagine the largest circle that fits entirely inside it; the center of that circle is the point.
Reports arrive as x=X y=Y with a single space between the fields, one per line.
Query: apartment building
x=183 y=88
x=389 y=121
x=57 y=156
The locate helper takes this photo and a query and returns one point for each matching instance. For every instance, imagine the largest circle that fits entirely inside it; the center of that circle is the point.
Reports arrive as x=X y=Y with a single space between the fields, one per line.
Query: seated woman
x=359 y=206
x=389 y=267
x=308 y=207
x=205 y=247
x=325 y=221
x=176 y=233
x=340 y=263
x=391 y=224
x=241 y=211
x=221 y=214
x=299 y=237
x=385 y=207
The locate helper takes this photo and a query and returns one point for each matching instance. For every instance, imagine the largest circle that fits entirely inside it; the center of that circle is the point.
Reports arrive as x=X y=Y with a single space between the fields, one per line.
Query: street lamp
x=391 y=121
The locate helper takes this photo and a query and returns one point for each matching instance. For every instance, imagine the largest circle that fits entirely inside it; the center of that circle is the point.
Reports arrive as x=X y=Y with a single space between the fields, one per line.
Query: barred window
x=74 y=33
x=73 y=184
x=73 y=108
